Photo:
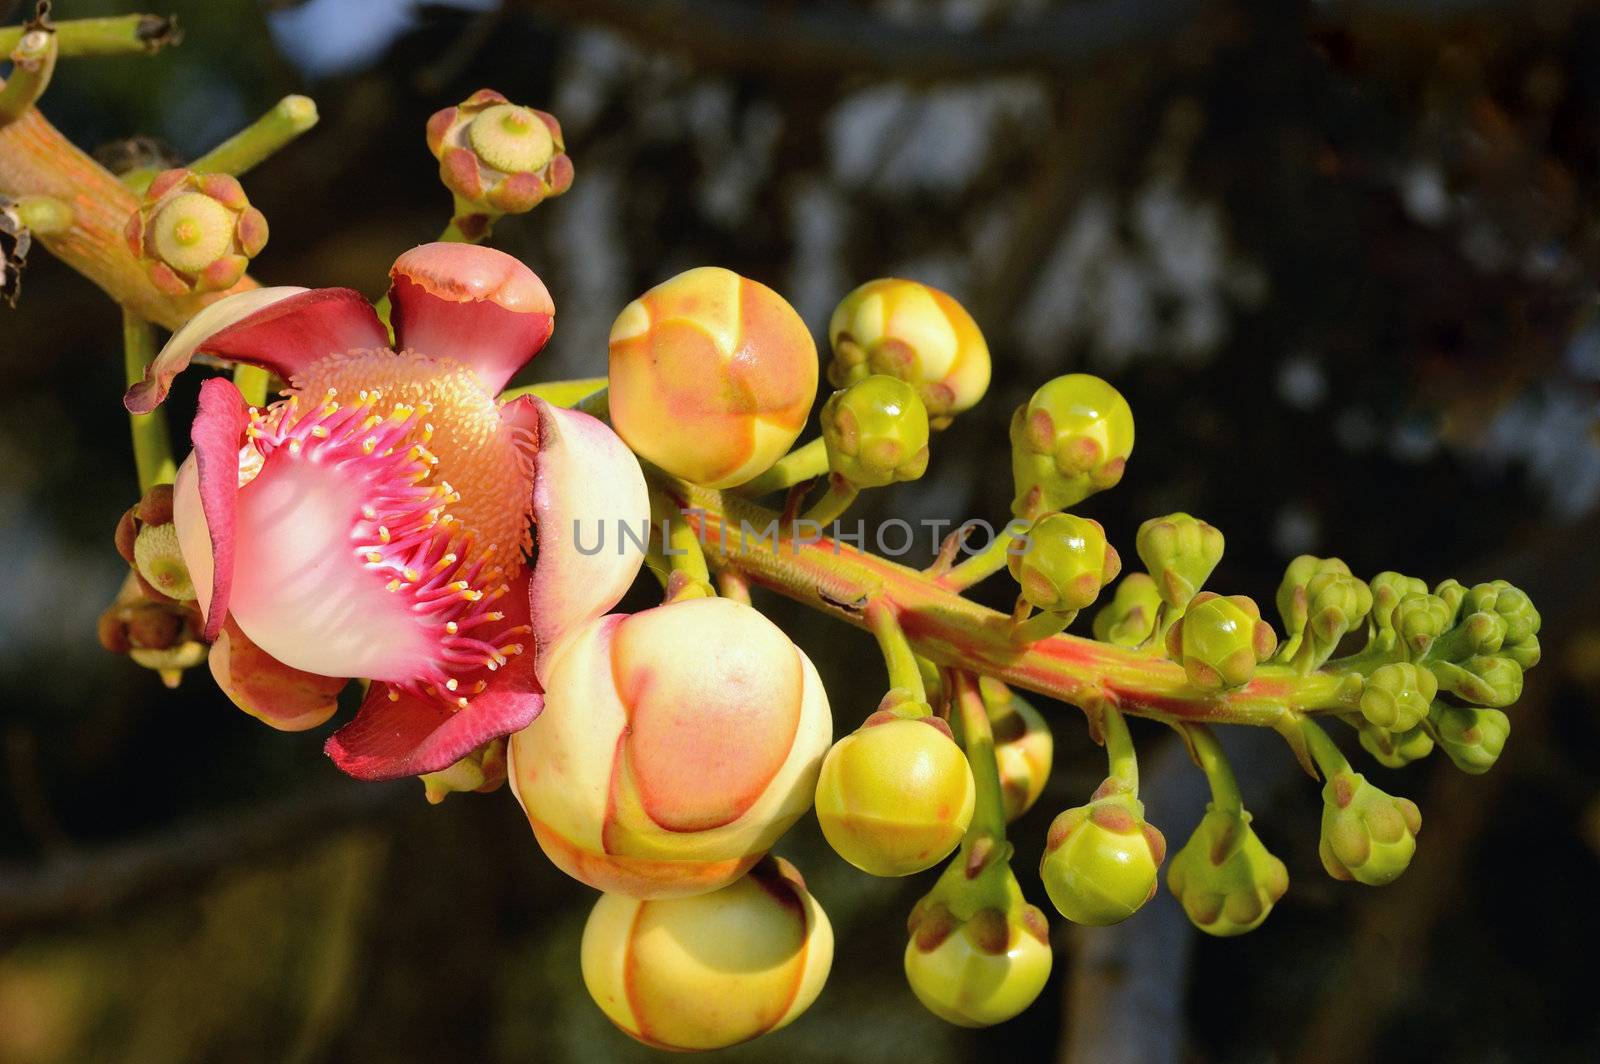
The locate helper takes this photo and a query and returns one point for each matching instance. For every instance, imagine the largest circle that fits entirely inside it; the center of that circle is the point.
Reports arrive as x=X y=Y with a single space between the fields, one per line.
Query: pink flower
x=376 y=521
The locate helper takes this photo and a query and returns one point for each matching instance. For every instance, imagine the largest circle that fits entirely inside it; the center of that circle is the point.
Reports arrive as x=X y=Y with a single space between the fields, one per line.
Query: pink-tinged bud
x=153 y=631
x=498 y=157
x=713 y=970
x=675 y=746
x=712 y=376
x=914 y=332
x=195 y=232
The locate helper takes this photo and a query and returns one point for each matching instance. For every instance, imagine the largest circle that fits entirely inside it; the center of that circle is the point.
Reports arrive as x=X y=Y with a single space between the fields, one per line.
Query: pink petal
x=205 y=498
x=473 y=304
x=586 y=483
x=267 y=689
x=282 y=329
x=410 y=734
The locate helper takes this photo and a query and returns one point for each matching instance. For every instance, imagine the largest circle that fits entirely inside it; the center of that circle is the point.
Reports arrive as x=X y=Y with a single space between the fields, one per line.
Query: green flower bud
x=1396 y=697
x=1219 y=641
x=1129 y=618
x=1419 y=620
x=1224 y=877
x=1388 y=588
x=1072 y=439
x=195 y=232
x=1472 y=737
x=876 y=432
x=1518 y=625
x=896 y=796
x=1453 y=592
x=1064 y=563
x=158 y=561
x=1367 y=835
x=1294 y=599
x=1491 y=680
x=1100 y=859
x=1180 y=552
x=1320 y=602
x=1395 y=749
x=982 y=970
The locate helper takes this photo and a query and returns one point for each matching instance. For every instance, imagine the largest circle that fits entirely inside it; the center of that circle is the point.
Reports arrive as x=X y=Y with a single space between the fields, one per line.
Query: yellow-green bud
x=1367 y=835
x=1395 y=749
x=1486 y=680
x=1388 y=588
x=1100 y=859
x=876 y=432
x=1129 y=618
x=1179 y=552
x=1418 y=620
x=982 y=970
x=1070 y=440
x=1518 y=622
x=1219 y=641
x=896 y=796
x=1224 y=877
x=1064 y=563
x=1472 y=737
x=157 y=558
x=1396 y=697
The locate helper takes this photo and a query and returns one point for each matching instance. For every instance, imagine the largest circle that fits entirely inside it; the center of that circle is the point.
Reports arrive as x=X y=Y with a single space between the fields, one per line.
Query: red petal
x=473 y=304
x=217 y=433
x=409 y=735
x=264 y=687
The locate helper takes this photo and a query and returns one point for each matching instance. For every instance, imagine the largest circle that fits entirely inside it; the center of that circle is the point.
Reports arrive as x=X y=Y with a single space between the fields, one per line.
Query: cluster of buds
x=195 y=232
x=1367 y=835
x=155 y=619
x=497 y=158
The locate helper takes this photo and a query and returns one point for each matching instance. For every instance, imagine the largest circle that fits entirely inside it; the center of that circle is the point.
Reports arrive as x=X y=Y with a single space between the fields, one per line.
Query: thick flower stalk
x=374 y=521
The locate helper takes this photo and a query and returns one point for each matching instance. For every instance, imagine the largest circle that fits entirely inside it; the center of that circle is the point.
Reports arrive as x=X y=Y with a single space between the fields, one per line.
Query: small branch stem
x=152 y=442
x=43 y=215
x=986 y=562
x=731 y=584
x=806 y=462
x=118 y=35
x=828 y=509
x=897 y=654
x=253 y=383
x=558 y=393
x=1042 y=626
x=1324 y=751
x=246 y=149
x=989 y=815
x=1122 y=759
x=33 y=59
x=680 y=546
x=1214 y=763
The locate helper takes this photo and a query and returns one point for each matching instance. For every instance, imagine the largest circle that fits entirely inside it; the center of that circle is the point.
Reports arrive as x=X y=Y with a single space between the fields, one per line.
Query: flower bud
x=1023 y=745
x=481 y=772
x=1179 y=552
x=1224 y=877
x=1487 y=680
x=1418 y=620
x=1396 y=697
x=1367 y=835
x=982 y=970
x=1388 y=588
x=1069 y=441
x=712 y=970
x=913 y=332
x=1517 y=620
x=675 y=746
x=497 y=157
x=876 y=432
x=1064 y=563
x=1219 y=641
x=160 y=563
x=154 y=632
x=1129 y=618
x=1100 y=859
x=1472 y=737
x=195 y=232
x=1395 y=749
x=711 y=376
x=896 y=796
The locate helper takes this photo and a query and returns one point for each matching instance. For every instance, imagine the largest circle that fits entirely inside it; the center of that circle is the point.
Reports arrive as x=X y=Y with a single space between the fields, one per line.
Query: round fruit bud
x=675 y=746
x=1064 y=563
x=1472 y=737
x=896 y=796
x=497 y=157
x=711 y=376
x=1224 y=877
x=1129 y=618
x=1219 y=641
x=195 y=232
x=982 y=970
x=913 y=332
x=1100 y=859
x=1070 y=440
x=1396 y=697
x=876 y=432
x=1418 y=620
x=1023 y=746
x=1395 y=749
x=1367 y=835
x=1180 y=552
x=712 y=970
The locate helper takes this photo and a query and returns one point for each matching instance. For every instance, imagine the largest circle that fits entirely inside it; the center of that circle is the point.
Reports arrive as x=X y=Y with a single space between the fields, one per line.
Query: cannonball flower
x=711 y=970
x=195 y=232
x=711 y=376
x=376 y=520
x=676 y=745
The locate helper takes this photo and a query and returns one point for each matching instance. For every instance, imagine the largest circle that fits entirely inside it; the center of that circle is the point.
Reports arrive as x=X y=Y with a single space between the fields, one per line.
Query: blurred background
x=1340 y=256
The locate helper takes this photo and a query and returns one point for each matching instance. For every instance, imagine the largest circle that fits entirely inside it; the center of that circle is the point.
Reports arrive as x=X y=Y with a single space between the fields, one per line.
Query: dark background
x=1339 y=256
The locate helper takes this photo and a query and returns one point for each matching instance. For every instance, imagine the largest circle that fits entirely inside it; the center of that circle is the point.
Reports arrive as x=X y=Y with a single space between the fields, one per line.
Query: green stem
x=897 y=654
x=986 y=562
x=806 y=462
x=596 y=404
x=557 y=393
x=289 y=117
x=253 y=383
x=731 y=584
x=989 y=815
x=681 y=545
x=33 y=56
x=828 y=509
x=119 y=35
x=1122 y=759
x=1329 y=758
x=44 y=215
x=1042 y=626
x=1214 y=763
x=152 y=443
